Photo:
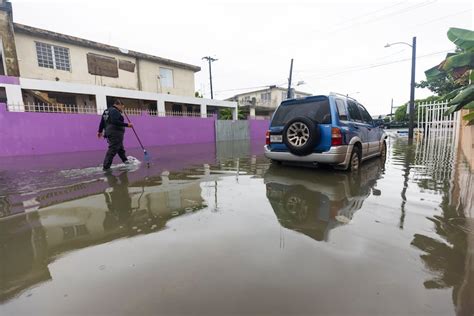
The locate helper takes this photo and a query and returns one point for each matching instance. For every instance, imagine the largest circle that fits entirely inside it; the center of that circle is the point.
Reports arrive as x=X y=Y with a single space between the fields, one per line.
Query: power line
x=443 y=17
x=389 y=15
x=371 y=13
x=379 y=65
x=351 y=69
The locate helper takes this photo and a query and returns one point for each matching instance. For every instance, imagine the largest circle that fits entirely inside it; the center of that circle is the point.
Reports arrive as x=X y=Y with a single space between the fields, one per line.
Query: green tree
x=442 y=85
x=401 y=113
x=226 y=114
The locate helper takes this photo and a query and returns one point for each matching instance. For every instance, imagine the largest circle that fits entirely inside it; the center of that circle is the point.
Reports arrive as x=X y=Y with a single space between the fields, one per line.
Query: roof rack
x=342 y=95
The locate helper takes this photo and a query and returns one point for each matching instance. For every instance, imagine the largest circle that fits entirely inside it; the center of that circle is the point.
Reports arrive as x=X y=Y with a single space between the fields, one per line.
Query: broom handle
x=133 y=129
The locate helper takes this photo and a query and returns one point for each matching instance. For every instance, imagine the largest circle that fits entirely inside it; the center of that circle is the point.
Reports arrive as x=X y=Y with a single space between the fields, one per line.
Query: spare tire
x=301 y=135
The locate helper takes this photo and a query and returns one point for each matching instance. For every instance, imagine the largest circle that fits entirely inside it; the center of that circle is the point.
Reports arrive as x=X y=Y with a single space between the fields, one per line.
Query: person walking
x=112 y=127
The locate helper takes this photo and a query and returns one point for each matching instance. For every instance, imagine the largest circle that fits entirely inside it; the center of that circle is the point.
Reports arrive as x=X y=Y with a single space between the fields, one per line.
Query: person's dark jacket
x=112 y=120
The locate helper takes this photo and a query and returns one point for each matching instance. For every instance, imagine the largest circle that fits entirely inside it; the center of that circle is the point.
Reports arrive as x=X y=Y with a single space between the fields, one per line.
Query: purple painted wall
x=46 y=133
x=258 y=129
x=9 y=80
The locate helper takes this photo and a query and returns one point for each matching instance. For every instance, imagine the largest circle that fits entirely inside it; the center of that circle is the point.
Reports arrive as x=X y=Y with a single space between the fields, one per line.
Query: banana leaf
x=452 y=94
x=469 y=106
x=465 y=97
x=434 y=73
x=462 y=38
x=459 y=60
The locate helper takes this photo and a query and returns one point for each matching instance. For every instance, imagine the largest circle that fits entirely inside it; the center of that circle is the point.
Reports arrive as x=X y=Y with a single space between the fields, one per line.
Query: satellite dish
x=123 y=50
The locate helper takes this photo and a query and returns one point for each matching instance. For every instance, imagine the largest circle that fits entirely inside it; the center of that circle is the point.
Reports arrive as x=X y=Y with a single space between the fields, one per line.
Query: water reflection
x=436 y=166
x=30 y=242
x=313 y=202
x=118 y=200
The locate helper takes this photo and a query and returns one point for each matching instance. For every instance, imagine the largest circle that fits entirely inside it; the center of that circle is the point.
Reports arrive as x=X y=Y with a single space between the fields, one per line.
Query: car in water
x=325 y=129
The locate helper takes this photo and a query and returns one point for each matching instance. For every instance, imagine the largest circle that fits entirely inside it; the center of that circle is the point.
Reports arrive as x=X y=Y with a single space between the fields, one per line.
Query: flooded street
x=217 y=229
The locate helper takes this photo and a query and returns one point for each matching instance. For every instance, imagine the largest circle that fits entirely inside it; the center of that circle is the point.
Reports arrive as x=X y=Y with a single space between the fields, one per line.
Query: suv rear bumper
x=338 y=155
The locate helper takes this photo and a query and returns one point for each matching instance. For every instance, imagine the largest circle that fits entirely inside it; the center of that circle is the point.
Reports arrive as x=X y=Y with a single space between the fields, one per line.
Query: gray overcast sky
x=335 y=44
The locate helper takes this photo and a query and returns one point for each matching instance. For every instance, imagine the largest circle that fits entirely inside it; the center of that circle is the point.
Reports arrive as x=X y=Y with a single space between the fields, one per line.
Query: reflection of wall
x=82 y=220
x=28 y=242
x=68 y=223
x=467 y=141
x=164 y=203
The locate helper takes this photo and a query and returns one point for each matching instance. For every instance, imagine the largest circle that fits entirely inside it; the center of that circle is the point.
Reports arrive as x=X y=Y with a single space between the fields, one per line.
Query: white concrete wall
x=183 y=80
x=14 y=96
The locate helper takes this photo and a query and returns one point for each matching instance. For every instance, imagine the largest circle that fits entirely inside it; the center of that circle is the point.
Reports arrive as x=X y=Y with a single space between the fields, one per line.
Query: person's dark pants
x=115 y=140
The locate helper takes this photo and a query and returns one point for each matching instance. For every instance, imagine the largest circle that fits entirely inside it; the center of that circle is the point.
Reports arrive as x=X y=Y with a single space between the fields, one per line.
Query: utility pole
x=210 y=60
x=412 y=90
x=411 y=105
x=391 y=111
x=288 y=94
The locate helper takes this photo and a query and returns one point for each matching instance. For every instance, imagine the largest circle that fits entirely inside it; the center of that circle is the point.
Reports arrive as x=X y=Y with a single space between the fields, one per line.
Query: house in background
x=262 y=103
x=68 y=73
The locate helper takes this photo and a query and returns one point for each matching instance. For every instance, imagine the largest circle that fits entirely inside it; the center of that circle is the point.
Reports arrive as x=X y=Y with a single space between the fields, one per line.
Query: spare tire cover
x=301 y=135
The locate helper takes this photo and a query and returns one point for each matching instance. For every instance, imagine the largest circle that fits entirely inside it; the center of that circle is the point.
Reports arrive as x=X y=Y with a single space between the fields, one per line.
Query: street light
x=412 y=86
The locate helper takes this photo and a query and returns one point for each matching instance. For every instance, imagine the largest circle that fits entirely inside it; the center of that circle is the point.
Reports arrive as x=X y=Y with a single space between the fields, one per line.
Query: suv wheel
x=355 y=160
x=301 y=135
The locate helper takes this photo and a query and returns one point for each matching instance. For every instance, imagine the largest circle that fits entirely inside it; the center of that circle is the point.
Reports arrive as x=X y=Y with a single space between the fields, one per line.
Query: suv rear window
x=317 y=110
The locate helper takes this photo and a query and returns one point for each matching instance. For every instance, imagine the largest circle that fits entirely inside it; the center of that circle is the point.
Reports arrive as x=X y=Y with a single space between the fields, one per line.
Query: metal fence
x=431 y=116
x=52 y=108
x=438 y=137
x=80 y=109
x=232 y=130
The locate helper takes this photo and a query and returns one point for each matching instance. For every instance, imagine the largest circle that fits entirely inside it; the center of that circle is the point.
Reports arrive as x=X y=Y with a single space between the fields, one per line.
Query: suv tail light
x=267 y=138
x=336 y=137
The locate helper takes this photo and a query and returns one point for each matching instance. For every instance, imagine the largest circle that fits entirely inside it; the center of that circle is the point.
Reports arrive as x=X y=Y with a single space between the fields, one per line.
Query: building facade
x=67 y=72
x=262 y=103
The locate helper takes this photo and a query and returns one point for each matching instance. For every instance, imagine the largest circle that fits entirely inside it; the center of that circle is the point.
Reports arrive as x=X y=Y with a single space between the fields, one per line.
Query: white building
x=67 y=72
x=262 y=103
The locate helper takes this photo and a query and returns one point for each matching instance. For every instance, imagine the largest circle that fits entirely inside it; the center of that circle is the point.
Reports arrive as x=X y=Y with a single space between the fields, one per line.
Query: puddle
x=206 y=231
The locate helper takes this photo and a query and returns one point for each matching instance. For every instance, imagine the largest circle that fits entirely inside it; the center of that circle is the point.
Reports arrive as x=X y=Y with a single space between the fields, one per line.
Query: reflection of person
x=118 y=201
x=113 y=123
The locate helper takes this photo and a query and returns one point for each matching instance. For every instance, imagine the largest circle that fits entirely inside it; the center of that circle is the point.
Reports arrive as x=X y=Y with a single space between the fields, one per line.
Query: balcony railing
x=79 y=109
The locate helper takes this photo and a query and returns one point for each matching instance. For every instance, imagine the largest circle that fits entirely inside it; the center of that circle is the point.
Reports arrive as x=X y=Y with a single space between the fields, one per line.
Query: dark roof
x=21 y=28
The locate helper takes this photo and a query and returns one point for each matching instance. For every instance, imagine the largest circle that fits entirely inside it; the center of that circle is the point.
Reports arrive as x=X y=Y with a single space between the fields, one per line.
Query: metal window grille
x=54 y=57
x=45 y=55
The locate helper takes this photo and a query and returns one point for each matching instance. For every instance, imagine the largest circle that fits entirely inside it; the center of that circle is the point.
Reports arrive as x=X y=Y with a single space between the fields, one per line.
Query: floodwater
x=218 y=230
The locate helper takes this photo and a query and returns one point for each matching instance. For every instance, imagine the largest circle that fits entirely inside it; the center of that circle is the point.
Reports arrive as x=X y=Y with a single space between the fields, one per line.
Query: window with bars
x=53 y=57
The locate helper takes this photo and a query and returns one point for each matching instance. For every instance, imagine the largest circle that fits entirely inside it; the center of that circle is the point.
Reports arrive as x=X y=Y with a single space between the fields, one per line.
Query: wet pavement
x=217 y=230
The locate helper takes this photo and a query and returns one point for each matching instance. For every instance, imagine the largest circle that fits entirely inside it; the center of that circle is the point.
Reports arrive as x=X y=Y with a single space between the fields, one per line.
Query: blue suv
x=334 y=129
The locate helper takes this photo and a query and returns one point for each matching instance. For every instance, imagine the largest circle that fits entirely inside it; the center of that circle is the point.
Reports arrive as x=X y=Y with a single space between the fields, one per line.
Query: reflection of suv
x=333 y=129
x=315 y=202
